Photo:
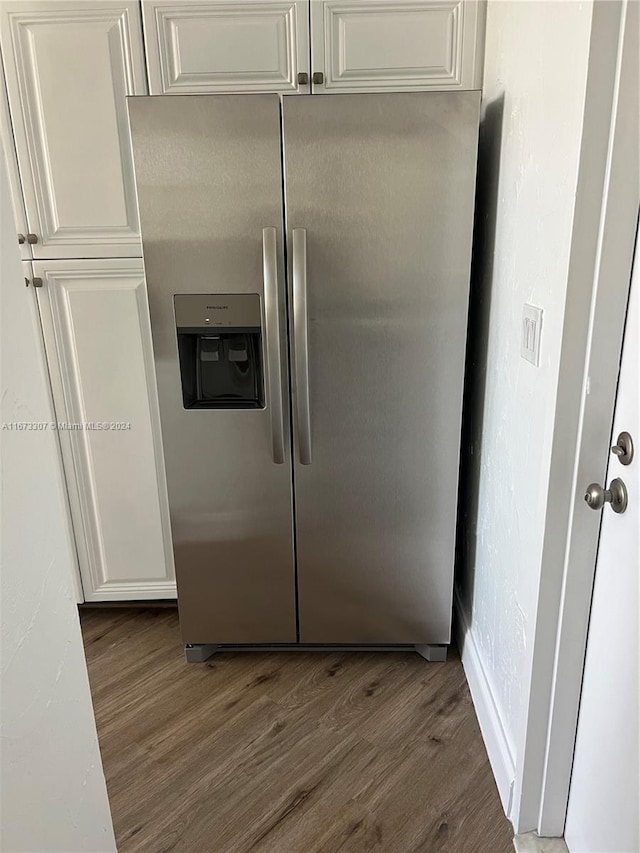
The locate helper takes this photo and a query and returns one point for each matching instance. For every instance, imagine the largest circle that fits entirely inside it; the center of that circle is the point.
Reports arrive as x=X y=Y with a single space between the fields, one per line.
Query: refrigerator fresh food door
x=379 y=195
x=209 y=181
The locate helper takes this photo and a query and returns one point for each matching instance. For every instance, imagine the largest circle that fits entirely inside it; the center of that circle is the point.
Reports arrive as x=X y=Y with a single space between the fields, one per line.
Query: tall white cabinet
x=68 y=66
x=96 y=330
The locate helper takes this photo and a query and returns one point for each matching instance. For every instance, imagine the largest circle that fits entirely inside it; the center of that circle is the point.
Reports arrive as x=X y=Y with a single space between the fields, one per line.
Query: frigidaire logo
x=218 y=307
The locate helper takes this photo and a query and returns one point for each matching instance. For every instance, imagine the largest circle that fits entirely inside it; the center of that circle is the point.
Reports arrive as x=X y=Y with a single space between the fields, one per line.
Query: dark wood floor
x=285 y=753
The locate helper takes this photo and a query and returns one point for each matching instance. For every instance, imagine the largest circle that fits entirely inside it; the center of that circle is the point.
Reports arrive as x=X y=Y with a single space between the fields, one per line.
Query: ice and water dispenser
x=220 y=350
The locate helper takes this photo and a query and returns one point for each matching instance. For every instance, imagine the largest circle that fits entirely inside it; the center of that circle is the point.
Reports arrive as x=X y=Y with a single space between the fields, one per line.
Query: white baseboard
x=491 y=726
x=532 y=843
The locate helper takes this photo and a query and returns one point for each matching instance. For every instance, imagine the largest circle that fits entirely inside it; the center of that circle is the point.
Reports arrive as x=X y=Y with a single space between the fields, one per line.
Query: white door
x=603 y=813
x=69 y=65
x=227 y=46
x=98 y=340
x=376 y=45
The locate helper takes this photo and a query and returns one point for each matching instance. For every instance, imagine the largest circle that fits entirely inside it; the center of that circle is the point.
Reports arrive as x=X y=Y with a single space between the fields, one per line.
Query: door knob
x=616 y=495
x=623 y=448
x=303 y=78
x=318 y=77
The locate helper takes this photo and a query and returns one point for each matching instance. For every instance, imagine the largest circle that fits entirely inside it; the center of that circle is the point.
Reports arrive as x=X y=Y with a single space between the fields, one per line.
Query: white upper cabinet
x=69 y=66
x=233 y=46
x=98 y=340
x=356 y=45
x=378 y=45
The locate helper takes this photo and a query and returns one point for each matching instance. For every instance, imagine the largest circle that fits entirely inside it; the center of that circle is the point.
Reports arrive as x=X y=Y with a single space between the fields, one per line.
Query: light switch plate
x=531 y=331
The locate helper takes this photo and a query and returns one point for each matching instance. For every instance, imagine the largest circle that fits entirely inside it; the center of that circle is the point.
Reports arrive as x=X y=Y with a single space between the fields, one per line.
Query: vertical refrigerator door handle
x=272 y=335
x=301 y=349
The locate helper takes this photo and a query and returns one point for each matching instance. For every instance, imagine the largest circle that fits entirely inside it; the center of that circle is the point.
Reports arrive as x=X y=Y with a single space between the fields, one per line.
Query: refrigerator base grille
x=200 y=652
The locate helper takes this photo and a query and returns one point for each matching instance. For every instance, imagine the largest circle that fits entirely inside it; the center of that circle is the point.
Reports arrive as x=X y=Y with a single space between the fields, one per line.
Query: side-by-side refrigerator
x=307 y=265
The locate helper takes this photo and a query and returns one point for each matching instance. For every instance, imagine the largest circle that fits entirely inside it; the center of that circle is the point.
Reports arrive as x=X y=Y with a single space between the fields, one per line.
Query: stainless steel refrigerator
x=307 y=264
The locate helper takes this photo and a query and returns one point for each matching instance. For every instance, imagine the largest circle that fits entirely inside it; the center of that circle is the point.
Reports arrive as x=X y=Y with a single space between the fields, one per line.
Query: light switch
x=531 y=329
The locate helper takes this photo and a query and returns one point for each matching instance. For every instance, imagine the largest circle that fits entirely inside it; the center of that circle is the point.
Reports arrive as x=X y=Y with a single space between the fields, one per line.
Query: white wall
x=536 y=60
x=52 y=789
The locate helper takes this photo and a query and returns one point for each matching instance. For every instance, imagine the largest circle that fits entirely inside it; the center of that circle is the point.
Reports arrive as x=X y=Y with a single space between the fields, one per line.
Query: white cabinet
x=69 y=66
x=17 y=203
x=378 y=45
x=98 y=341
x=356 y=45
x=233 y=46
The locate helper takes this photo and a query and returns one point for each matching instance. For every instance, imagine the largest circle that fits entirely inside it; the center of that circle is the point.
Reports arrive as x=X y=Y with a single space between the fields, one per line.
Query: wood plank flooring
x=285 y=753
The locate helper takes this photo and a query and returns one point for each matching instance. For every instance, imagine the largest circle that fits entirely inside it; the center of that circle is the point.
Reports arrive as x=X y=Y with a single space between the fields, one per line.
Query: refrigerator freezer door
x=383 y=185
x=209 y=180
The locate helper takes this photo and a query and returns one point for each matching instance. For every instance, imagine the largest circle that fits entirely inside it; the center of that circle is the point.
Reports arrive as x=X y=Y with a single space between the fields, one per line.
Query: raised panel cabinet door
x=233 y=46
x=15 y=190
x=31 y=293
x=98 y=341
x=383 y=45
x=69 y=67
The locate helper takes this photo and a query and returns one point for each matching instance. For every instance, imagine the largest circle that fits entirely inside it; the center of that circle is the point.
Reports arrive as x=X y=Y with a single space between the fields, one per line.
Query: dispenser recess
x=220 y=350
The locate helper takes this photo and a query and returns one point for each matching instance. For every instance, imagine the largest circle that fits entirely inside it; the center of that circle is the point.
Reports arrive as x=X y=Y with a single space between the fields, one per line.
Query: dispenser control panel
x=219 y=310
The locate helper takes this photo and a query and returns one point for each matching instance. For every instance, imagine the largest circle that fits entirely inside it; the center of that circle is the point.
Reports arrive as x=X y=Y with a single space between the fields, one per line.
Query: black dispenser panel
x=220 y=350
